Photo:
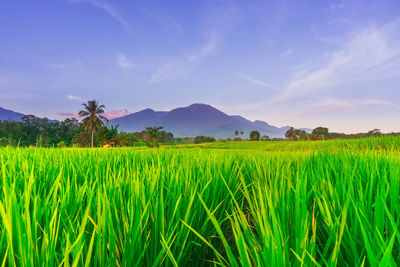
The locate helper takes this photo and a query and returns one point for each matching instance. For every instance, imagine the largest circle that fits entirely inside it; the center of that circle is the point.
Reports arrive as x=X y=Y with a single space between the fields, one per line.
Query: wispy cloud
x=337 y=105
x=256 y=82
x=112 y=114
x=338 y=4
x=287 y=53
x=217 y=21
x=169 y=71
x=361 y=58
x=76 y=98
x=69 y=114
x=183 y=63
x=62 y=65
x=123 y=62
x=207 y=48
x=110 y=10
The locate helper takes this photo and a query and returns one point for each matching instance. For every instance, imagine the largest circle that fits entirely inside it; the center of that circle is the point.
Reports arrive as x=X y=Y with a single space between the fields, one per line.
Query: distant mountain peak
x=147 y=110
x=199 y=105
x=196 y=119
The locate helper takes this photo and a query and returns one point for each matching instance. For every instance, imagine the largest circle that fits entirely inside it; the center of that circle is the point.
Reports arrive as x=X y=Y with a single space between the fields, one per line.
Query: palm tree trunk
x=92 y=137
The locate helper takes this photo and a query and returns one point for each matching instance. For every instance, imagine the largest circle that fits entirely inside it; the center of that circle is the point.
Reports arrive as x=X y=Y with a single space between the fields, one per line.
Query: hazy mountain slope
x=138 y=121
x=6 y=114
x=196 y=119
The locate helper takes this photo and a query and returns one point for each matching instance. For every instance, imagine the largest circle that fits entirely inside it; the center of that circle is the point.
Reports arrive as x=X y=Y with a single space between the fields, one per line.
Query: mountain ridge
x=6 y=114
x=196 y=119
x=190 y=121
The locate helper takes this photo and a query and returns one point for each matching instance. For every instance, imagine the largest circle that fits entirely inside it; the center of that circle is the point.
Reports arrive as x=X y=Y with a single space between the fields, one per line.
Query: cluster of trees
x=254 y=136
x=322 y=133
x=33 y=131
x=319 y=133
x=93 y=130
x=296 y=134
x=203 y=139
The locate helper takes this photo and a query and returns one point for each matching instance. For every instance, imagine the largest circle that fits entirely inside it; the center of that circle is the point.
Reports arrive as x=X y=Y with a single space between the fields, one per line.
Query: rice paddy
x=232 y=204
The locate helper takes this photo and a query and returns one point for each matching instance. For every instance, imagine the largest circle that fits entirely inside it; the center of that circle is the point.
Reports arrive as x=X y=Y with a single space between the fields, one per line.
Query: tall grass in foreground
x=175 y=207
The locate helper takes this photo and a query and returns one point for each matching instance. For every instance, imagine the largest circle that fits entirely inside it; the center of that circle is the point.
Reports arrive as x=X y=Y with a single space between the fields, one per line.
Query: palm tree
x=154 y=132
x=93 y=118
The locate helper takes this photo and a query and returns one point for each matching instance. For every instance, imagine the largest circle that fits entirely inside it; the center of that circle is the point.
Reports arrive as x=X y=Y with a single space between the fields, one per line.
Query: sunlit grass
x=236 y=204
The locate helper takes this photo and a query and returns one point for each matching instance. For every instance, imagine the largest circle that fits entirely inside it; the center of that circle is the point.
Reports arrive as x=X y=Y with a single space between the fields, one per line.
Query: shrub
x=203 y=139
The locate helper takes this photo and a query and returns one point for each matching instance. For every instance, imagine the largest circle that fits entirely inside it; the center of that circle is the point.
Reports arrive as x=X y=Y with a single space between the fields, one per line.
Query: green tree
x=374 y=132
x=3 y=141
x=236 y=133
x=203 y=139
x=68 y=129
x=291 y=134
x=265 y=138
x=126 y=139
x=93 y=118
x=81 y=139
x=154 y=132
x=254 y=135
x=320 y=133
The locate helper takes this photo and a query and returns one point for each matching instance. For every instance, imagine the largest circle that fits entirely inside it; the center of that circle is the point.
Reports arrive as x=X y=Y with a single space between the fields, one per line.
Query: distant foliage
x=3 y=141
x=255 y=135
x=82 y=139
x=203 y=139
x=322 y=133
x=265 y=138
x=61 y=144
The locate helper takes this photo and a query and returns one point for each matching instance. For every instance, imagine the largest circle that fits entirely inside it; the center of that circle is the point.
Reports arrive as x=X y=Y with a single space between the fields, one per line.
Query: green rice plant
x=260 y=204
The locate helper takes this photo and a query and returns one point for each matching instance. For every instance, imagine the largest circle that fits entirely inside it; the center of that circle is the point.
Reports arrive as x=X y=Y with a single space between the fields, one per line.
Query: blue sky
x=301 y=63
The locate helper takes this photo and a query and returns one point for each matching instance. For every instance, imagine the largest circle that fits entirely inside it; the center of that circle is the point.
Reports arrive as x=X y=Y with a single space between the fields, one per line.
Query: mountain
x=194 y=120
x=10 y=115
x=6 y=114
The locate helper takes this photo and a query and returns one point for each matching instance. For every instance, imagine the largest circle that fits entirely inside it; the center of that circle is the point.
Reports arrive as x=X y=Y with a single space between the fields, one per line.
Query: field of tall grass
x=233 y=204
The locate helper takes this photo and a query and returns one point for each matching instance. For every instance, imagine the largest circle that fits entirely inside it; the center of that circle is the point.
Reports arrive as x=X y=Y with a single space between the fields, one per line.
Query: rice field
x=232 y=204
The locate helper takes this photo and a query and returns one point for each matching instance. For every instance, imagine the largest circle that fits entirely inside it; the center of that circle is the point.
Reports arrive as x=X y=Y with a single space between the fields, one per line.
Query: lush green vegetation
x=33 y=131
x=236 y=204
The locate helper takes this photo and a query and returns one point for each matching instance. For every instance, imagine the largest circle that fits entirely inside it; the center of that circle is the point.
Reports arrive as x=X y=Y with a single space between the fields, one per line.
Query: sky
x=300 y=63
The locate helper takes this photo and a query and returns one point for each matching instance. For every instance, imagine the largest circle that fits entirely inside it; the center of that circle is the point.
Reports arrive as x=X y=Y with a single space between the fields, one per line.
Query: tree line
x=93 y=130
x=322 y=133
x=317 y=134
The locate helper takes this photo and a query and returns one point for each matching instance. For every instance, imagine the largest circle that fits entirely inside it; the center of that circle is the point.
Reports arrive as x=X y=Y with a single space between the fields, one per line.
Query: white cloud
x=217 y=21
x=169 y=71
x=361 y=58
x=256 y=82
x=69 y=114
x=73 y=97
x=287 y=53
x=112 y=114
x=123 y=62
x=62 y=65
x=209 y=46
x=110 y=11
x=342 y=104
